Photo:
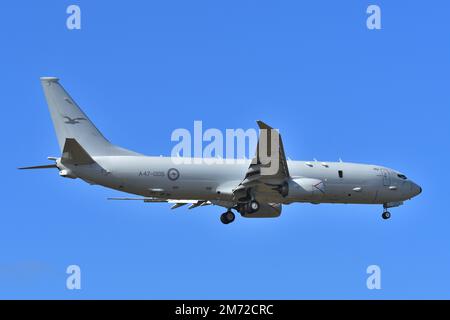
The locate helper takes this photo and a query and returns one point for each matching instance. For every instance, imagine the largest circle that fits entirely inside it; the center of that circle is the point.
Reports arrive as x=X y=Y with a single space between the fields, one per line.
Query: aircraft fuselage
x=315 y=182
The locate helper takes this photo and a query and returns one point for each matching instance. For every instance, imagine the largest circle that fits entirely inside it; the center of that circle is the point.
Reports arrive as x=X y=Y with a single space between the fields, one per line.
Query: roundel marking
x=173 y=174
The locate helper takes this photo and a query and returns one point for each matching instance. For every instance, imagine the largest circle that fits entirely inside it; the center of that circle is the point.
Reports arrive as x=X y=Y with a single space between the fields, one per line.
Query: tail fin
x=74 y=153
x=70 y=122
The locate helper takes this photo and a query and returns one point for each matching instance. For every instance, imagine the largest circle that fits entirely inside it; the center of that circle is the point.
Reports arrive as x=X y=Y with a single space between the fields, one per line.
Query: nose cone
x=415 y=189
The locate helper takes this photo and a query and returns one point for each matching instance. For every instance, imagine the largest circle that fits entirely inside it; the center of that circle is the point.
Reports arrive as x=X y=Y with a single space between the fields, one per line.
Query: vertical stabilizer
x=70 y=122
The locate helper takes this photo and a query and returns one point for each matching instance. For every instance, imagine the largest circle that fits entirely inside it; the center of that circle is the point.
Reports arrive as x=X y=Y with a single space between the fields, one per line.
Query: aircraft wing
x=268 y=172
x=176 y=203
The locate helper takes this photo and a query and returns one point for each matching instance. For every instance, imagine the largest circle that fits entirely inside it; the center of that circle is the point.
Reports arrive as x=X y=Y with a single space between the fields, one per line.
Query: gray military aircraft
x=246 y=187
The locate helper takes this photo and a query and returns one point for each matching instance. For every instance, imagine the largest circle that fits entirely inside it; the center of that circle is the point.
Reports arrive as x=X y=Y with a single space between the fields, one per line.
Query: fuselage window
x=341 y=174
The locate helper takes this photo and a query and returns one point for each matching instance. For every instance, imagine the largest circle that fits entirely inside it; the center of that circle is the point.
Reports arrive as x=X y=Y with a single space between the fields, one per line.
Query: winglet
x=50 y=79
x=283 y=170
x=263 y=125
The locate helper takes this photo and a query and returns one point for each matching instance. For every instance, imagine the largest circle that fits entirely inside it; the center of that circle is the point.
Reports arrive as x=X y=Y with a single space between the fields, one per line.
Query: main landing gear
x=247 y=208
x=227 y=217
x=253 y=206
x=386 y=215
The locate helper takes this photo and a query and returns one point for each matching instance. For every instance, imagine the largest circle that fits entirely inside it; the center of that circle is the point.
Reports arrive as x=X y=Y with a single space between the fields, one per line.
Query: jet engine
x=308 y=189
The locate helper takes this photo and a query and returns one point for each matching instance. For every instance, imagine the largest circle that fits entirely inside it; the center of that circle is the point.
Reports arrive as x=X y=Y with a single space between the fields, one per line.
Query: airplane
x=248 y=188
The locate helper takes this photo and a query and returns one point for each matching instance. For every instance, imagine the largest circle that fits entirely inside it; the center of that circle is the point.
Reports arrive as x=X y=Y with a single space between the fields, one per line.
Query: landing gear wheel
x=254 y=206
x=386 y=215
x=227 y=217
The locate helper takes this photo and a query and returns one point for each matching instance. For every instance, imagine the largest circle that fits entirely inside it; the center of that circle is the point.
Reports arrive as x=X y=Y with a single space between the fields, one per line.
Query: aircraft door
x=386 y=177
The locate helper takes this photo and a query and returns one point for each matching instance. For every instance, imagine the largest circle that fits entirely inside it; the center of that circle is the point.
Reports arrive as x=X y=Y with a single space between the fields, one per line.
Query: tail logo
x=69 y=120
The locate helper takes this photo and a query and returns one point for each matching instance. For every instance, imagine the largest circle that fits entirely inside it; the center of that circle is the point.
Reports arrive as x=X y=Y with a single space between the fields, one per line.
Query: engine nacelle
x=266 y=210
x=307 y=189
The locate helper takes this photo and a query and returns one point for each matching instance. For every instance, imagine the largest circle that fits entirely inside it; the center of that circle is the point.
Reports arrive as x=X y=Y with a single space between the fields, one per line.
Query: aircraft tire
x=227 y=217
x=253 y=206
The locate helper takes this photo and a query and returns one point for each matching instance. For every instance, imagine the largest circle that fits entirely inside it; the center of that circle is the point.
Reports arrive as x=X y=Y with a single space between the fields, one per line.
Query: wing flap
x=176 y=203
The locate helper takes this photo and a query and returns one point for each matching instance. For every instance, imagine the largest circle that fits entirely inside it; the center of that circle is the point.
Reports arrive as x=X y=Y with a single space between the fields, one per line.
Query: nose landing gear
x=386 y=215
x=227 y=217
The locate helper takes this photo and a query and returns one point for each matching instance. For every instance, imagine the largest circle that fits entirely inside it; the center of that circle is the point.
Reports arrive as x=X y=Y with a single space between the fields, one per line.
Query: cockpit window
x=402 y=176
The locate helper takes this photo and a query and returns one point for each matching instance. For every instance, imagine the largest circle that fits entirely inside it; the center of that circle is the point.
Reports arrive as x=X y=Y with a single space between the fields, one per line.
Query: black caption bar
x=223 y=309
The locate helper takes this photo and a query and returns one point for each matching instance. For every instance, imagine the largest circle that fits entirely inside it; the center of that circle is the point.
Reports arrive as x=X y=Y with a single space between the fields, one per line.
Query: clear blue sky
x=141 y=69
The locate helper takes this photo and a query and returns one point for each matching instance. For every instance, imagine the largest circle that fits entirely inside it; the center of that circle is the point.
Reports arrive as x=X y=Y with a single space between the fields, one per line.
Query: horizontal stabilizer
x=48 y=166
